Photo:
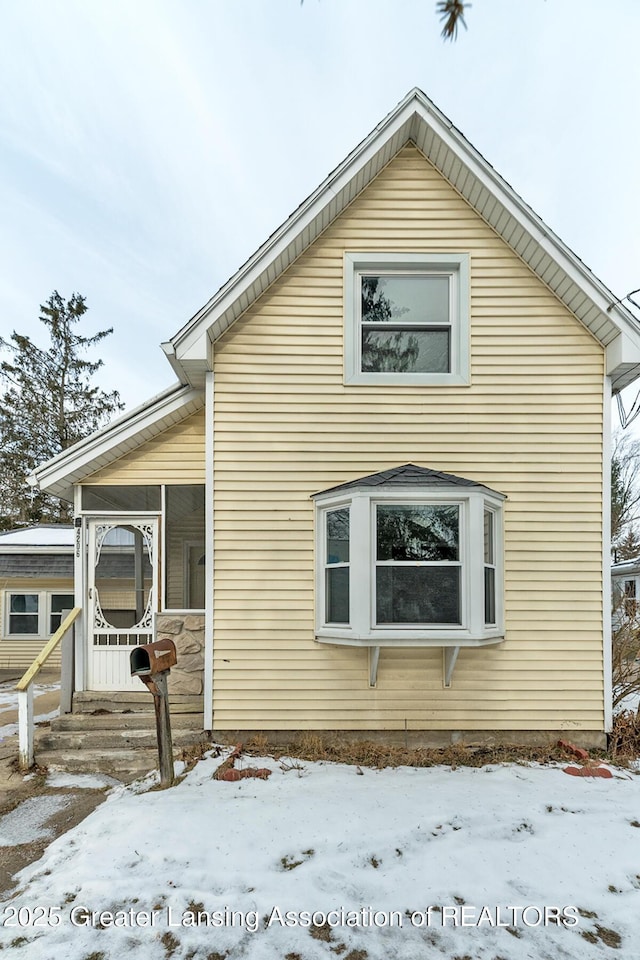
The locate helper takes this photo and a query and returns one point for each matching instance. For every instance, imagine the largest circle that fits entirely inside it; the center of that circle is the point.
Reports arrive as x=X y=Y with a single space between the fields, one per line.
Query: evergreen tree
x=47 y=404
x=629 y=546
x=625 y=494
x=452 y=13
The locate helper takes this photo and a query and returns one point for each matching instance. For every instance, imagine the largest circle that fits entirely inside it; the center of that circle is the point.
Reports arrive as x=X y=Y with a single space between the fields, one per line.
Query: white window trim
x=362 y=629
x=44 y=611
x=454 y=264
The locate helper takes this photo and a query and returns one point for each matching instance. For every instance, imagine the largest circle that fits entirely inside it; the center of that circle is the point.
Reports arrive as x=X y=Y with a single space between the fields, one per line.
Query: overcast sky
x=148 y=147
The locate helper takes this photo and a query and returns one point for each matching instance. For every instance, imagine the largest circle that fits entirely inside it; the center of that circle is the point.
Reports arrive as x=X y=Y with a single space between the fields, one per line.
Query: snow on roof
x=41 y=535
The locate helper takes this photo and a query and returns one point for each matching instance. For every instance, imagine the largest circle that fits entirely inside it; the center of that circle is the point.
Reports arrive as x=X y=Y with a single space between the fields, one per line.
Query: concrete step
x=115 y=733
x=115 y=739
x=126 y=701
x=126 y=766
x=138 y=720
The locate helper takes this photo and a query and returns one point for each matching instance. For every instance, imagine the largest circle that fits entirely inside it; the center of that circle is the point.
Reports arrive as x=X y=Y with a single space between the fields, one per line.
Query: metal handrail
x=24 y=688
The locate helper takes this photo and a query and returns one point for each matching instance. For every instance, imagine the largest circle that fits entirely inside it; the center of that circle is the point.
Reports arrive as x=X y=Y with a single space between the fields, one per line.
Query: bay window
x=409 y=563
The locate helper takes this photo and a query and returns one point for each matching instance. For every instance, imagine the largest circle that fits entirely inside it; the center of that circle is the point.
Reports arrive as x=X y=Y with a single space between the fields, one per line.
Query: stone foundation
x=187 y=632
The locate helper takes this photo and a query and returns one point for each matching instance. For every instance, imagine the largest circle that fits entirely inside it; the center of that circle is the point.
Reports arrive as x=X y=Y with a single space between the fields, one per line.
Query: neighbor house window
x=24 y=614
x=406 y=318
x=59 y=603
x=630 y=598
x=37 y=614
x=415 y=565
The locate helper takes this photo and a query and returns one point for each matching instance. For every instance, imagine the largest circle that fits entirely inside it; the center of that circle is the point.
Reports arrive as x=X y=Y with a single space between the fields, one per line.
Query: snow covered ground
x=402 y=863
x=9 y=697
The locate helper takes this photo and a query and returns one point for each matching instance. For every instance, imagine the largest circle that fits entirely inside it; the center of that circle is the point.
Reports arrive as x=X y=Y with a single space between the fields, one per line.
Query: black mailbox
x=152 y=658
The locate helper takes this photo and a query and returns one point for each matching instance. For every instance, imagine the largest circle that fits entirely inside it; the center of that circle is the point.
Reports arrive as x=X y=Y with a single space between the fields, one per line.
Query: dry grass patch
x=170 y=943
x=609 y=937
x=367 y=753
x=321 y=931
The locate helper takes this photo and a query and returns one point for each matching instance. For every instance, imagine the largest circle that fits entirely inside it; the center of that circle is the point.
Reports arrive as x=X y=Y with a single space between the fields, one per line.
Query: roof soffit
x=417 y=120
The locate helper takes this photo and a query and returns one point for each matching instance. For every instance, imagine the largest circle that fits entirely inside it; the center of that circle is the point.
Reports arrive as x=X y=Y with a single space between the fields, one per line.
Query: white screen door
x=123 y=591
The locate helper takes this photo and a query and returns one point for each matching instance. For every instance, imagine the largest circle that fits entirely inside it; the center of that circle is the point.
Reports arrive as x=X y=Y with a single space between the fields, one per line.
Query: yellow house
x=377 y=499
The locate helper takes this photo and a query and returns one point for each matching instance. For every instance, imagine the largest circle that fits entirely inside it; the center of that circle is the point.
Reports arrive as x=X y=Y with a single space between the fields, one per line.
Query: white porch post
x=81 y=599
x=25 y=727
x=209 y=578
x=66 y=667
x=606 y=559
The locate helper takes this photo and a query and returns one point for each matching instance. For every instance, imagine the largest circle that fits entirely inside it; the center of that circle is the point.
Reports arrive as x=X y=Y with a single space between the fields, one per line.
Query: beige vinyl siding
x=17 y=653
x=175 y=456
x=529 y=426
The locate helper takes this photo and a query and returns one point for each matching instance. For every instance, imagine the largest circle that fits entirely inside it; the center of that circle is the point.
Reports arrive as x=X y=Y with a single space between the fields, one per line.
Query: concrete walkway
x=63 y=806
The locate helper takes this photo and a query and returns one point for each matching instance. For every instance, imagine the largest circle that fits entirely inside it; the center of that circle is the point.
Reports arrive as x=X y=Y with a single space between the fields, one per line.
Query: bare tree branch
x=625 y=649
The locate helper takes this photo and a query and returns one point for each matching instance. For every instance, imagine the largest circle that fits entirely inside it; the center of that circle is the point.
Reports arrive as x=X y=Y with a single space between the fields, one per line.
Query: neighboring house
x=625 y=587
x=36 y=585
x=390 y=444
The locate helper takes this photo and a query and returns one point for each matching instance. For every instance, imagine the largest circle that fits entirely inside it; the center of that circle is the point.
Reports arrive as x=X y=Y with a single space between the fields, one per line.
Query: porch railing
x=65 y=632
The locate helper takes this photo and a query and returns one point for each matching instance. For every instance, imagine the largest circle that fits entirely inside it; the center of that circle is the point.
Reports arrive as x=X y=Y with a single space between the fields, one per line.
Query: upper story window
x=406 y=318
x=410 y=556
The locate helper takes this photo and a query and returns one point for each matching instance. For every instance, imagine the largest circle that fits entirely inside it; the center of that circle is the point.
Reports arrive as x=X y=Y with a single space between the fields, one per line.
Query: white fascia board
x=607 y=644
x=303 y=217
x=170 y=354
x=417 y=112
x=404 y=492
x=196 y=349
x=80 y=460
x=625 y=567
x=546 y=239
x=27 y=551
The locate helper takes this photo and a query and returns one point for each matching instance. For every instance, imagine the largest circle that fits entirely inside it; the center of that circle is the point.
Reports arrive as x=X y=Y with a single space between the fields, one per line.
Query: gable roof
x=416 y=120
x=101 y=448
x=625 y=567
x=407 y=475
x=43 y=550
